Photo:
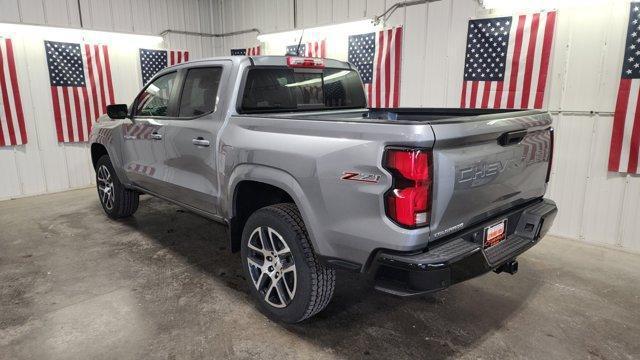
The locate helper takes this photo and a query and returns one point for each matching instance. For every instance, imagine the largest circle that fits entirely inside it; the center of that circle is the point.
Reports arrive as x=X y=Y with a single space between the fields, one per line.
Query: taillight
x=551 y=141
x=301 y=62
x=408 y=203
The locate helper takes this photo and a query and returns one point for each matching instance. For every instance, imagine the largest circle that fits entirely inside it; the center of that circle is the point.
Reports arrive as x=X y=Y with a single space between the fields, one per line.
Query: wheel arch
x=268 y=186
x=97 y=151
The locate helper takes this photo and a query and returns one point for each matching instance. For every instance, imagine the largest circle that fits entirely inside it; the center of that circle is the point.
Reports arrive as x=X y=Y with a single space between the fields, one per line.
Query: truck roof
x=261 y=60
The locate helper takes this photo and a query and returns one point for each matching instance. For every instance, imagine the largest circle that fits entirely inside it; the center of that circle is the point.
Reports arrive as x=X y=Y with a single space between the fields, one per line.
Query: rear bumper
x=462 y=256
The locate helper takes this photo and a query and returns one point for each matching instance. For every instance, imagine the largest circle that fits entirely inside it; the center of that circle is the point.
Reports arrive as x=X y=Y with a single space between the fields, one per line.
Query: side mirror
x=118 y=111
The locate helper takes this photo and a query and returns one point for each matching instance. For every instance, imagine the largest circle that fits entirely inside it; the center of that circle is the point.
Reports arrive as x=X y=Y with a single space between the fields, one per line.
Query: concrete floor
x=76 y=285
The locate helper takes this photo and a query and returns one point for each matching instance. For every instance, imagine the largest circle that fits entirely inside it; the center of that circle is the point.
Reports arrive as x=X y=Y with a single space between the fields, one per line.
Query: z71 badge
x=356 y=176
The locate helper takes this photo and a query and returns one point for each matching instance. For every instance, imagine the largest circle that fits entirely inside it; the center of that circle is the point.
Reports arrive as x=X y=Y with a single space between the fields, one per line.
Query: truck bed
x=401 y=115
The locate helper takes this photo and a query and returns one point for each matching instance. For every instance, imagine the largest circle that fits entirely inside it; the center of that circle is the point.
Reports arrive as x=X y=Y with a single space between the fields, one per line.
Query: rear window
x=284 y=89
x=200 y=92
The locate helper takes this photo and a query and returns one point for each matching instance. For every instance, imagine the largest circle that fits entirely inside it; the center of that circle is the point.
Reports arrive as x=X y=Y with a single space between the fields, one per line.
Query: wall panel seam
x=44 y=10
x=426 y=54
x=35 y=126
x=592 y=151
x=19 y=5
x=132 y=19
x=621 y=223
x=565 y=69
x=447 y=73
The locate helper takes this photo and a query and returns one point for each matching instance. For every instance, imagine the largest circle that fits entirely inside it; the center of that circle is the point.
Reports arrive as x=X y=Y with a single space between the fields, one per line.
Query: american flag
x=311 y=49
x=141 y=169
x=81 y=87
x=139 y=131
x=625 y=137
x=12 y=129
x=104 y=136
x=252 y=51
x=537 y=147
x=507 y=61
x=378 y=56
x=297 y=51
x=152 y=61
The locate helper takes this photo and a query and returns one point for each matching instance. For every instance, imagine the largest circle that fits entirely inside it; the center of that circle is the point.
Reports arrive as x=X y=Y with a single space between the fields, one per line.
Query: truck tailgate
x=486 y=164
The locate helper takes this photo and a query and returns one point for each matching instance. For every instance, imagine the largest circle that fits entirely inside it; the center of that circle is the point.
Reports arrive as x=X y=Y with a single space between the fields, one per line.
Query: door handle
x=200 y=141
x=155 y=136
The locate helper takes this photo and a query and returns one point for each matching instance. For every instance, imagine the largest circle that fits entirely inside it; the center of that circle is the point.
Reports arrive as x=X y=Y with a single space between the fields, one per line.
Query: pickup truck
x=308 y=180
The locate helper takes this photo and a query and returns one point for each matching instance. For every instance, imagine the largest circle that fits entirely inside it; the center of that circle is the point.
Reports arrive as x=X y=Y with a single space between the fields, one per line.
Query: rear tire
x=274 y=241
x=116 y=200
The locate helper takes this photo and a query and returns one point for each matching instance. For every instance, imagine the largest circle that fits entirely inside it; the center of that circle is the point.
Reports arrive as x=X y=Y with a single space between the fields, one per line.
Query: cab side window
x=200 y=92
x=154 y=101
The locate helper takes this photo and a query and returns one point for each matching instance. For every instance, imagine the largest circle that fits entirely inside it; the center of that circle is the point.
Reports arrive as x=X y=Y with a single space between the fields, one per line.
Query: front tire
x=116 y=200
x=284 y=274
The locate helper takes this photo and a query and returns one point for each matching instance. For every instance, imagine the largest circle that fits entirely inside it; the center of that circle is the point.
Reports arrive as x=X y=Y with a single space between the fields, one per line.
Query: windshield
x=285 y=89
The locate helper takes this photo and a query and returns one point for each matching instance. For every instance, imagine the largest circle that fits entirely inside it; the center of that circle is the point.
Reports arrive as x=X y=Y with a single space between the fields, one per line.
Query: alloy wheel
x=105 y=187
x=272 y=267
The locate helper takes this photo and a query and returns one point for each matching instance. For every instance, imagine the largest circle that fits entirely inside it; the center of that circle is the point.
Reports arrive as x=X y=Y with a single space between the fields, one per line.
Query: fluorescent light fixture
x=335 y=36
x=74 y=34
x=538 y=4
x=355 y=27
x=317 y=80
x=154 y=90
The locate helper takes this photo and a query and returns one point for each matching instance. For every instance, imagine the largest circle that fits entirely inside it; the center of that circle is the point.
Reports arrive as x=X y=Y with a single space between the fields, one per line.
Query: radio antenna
x=299 y=42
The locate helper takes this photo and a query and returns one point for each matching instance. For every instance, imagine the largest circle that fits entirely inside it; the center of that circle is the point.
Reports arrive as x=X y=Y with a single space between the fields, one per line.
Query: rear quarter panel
x=345 y=219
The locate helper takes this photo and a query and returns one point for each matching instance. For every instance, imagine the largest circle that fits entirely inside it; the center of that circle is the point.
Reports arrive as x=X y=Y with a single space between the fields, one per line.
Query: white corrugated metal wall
x=43 y=165
x=149 y=17
x=596 y=206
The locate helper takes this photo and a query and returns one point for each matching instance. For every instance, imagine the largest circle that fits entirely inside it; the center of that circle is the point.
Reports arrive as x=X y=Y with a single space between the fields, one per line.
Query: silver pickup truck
x=285 y=152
